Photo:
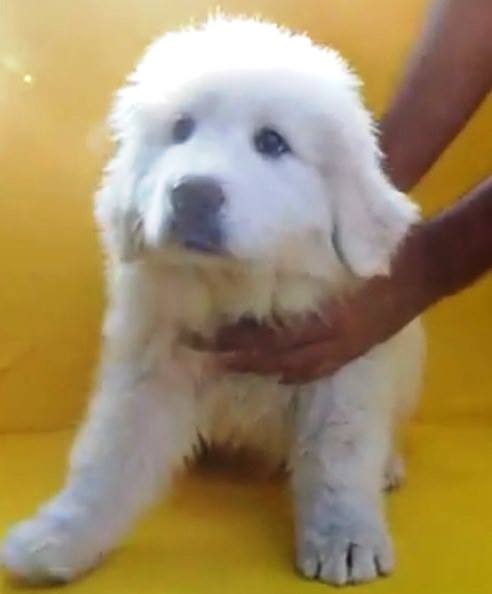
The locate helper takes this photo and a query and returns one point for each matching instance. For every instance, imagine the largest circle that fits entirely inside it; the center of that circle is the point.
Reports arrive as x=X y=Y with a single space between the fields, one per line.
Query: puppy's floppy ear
x=371 y=216
x=117 y=201
x=129 y=232
x=120 y=222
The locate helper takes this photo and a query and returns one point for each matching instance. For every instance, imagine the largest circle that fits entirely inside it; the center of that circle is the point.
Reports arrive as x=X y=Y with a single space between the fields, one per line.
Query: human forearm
x=442 y=256
x=449 y=74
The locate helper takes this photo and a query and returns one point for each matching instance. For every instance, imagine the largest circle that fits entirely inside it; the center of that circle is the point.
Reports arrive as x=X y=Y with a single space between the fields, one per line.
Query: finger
x=311 y=363
x=248 y=335
x=249 y=362
x=299 y=365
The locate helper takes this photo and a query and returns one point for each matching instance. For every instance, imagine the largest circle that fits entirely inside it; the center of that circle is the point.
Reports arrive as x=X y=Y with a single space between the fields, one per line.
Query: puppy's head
x=242 y=141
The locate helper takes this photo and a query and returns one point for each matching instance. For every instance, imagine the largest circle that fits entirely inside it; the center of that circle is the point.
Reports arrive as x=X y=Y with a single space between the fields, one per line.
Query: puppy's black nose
x=197 y=196
x=196 y=222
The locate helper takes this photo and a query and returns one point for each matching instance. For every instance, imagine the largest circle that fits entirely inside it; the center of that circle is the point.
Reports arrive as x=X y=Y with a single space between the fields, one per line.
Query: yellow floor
x=222 y=531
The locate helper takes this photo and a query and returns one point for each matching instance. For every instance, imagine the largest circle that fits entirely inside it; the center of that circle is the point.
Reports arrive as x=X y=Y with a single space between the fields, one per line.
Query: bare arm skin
x=448 y=76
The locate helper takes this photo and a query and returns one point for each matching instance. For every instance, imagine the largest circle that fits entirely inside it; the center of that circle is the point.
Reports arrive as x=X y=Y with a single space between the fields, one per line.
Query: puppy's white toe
x=343 y=551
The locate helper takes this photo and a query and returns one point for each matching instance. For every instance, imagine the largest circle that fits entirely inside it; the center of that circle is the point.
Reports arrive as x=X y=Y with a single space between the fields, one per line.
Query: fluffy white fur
x=299 y=229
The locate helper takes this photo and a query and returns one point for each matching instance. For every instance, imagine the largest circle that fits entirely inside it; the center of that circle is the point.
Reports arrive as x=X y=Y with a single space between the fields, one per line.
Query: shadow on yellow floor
x=221 y=532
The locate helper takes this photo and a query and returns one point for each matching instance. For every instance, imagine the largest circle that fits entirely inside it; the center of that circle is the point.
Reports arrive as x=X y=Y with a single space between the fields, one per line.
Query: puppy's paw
x=47 y=550
x=394 y=473
x=349 y=546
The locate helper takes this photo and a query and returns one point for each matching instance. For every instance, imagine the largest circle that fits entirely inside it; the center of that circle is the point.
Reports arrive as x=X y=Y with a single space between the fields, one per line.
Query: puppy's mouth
x=202 y=245
x=205 y=238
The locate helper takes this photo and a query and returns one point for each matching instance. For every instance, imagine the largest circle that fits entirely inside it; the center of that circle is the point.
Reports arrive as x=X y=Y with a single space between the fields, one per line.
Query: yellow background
x=60 y=61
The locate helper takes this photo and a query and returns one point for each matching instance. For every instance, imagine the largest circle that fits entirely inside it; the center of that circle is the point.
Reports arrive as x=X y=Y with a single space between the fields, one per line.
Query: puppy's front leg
x=338 y=464
x=136 y=434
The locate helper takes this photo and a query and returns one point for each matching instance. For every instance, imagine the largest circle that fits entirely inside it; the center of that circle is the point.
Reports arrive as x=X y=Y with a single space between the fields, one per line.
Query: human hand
x=310 y=347
x=301 y=351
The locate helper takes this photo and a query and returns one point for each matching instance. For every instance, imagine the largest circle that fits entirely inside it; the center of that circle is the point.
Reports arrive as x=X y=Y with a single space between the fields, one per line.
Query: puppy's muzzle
x=195 y=221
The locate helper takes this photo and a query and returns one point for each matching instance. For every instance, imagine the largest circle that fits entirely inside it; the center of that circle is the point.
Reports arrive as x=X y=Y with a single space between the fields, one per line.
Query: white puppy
x=246 y=181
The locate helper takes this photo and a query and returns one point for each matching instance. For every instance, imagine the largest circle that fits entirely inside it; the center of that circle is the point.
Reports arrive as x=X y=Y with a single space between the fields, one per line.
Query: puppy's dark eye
x=183 y=129
x=270 y=143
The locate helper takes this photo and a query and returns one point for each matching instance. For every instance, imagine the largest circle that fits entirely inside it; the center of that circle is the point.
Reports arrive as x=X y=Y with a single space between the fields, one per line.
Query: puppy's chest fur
x=205 y=298
x=240 y=411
